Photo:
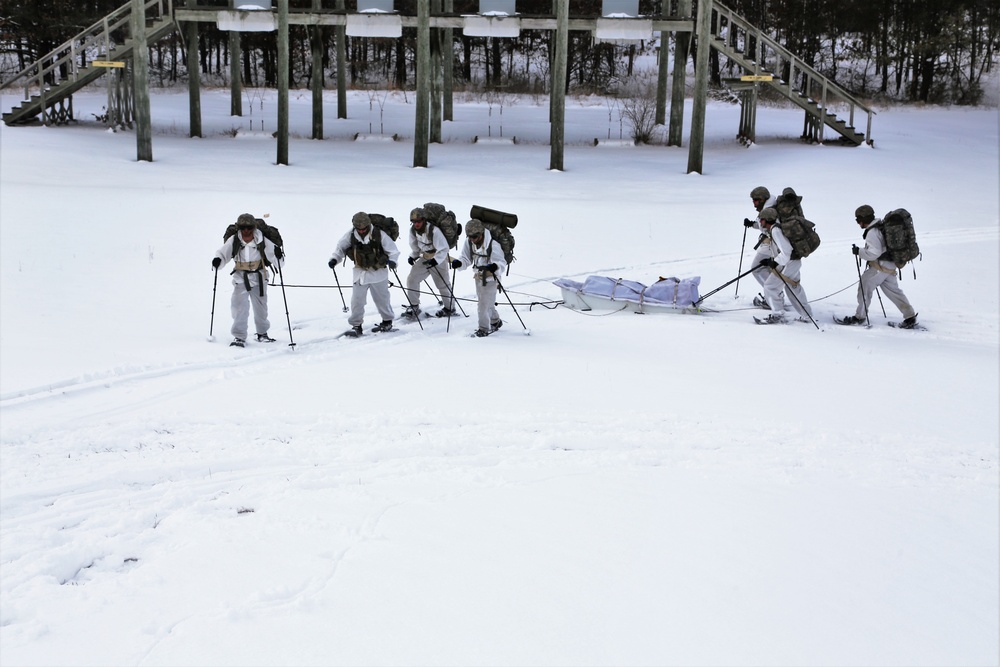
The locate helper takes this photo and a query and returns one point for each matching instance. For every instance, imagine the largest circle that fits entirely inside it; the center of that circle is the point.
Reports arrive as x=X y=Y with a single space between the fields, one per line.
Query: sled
x=598 y=293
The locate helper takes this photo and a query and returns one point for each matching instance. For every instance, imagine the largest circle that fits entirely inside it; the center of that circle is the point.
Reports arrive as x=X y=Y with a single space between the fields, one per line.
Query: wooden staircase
x=70 y=64
x=759 y=54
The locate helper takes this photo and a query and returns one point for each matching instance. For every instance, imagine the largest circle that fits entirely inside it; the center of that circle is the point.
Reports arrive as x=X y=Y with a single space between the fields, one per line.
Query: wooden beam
x=422 y=122
x=282 y=82
x=140 y=83
x=696 y=149
x=557 y=96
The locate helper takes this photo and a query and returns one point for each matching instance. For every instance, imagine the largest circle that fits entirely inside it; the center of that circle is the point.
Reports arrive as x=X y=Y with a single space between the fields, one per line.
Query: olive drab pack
x=499 y=225
x=386 y=224
x=801 y=234
x=270 y=232
x=445 y=221
x=900 y=238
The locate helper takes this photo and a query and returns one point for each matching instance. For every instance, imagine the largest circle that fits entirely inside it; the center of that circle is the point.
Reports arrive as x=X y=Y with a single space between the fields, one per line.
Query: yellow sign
x=756 y=77
x=108 y=63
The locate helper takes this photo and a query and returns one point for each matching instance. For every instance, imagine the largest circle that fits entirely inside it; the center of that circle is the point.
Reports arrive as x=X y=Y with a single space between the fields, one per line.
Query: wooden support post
x=448 y=64
x=140 y=82
x=437 y=78
x=235 y=77
x=282 y=82
x=682 y=48
x=316 y=81
x=194 y=80
x=662 y=71
x=422 y=121
x=340 y=35
x=557 y=97
x=696 y=149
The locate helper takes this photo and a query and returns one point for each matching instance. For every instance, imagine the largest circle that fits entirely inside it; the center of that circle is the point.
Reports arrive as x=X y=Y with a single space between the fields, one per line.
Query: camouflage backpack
x=900 y=238
x=801 y=233
x=386 y=224
x=788 y=204
x=445 y=221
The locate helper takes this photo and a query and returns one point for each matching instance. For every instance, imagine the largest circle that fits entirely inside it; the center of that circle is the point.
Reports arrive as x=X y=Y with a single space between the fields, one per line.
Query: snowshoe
x=264 y=338
x=494 y=326
x=773 y=318
x=850 y=319
x=445 y=312
x=909 y=323
x=386 y=325
x=238 y=342
x=411 y=313
x=354 y=332
x=480 y=333
x=760 y=302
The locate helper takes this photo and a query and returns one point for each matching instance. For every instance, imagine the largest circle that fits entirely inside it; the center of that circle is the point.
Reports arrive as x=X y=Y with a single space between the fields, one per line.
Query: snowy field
x=616 y=489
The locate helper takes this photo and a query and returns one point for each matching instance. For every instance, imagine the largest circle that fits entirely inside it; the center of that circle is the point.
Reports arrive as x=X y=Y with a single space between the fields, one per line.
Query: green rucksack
x=499 y=224
x=386 y=224
x=801 y=234
x=900 y=238
x=445 y=221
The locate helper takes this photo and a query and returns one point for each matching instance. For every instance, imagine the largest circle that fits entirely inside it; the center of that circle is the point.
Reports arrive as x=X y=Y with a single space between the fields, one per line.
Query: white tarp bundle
x=602 y=293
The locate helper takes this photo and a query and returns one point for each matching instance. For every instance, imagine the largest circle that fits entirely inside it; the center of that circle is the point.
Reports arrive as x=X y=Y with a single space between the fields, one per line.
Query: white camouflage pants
x=874 y=277
x=359 y=297
x=243 y=299
x=774 y=284
x=487 y=296
x=418 y=273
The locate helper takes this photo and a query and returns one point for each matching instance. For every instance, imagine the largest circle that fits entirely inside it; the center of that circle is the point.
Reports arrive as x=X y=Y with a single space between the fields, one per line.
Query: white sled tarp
x=602 y=293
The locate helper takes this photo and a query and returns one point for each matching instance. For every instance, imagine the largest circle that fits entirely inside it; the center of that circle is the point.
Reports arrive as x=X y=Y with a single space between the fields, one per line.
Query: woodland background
x=930 y=51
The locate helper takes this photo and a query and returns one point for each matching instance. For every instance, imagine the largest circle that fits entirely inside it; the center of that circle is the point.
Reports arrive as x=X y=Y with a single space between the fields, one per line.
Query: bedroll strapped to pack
x=900 y=237
x=270 y=232
x=445 y=221
x=489 y=215
x=386 y=224
x=801 y=233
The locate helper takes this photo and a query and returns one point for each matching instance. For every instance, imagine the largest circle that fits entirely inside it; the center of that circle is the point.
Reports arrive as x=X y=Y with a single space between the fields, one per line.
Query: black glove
x=392 y=265
x=332 y=263
x=411 y=260
x=277 y=252
x=768 y=263
x=431 y=263
x=216 y=262
x=455 y=263
x=491 y=267
x=855 y=249
x=747 y=222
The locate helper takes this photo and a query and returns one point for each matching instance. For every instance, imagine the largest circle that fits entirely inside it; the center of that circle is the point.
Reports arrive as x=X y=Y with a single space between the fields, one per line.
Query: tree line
x=933 y=51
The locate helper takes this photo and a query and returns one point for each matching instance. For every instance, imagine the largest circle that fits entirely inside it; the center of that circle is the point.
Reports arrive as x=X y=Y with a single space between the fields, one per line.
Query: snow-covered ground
x=668 y=489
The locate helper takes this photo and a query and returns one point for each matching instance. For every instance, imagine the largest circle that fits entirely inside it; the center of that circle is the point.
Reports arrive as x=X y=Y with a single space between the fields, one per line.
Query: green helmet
x=760 y=192
x=361 y=220
x=246 y=221
x=474 y=227
x=768 y=215
x=418 y=214
x=864 y=213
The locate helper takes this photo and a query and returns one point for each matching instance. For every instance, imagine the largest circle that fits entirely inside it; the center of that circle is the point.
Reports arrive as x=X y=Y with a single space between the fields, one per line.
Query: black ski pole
x=725 y=285
x=740 y=269
x=284 y=298
x=527 y=331
x=211 y=323
x=338 y=287
x=432 y=292
x=792 y=294
x=407 y=295
x=861 y=289
x=879 y=295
